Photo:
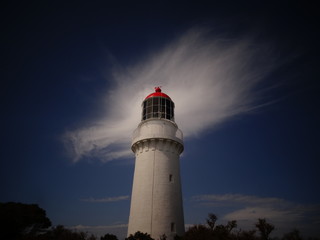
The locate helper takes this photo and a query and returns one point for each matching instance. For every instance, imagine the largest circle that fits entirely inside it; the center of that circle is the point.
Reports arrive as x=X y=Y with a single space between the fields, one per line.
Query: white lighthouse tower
x=156 y=202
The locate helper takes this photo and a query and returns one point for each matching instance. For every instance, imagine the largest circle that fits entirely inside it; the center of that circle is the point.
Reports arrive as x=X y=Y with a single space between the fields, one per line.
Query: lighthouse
x=156 y=201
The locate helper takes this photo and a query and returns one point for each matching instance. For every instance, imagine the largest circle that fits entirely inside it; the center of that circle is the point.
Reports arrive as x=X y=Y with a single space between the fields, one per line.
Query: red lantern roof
x=157 y=93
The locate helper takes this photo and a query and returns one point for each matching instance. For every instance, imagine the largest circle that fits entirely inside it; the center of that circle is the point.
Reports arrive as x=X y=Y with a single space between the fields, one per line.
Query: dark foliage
x=264 y=228
x=163 y=237
x=229 y=232
x=29 y=222
x=109 y=237
x=18 y=220
x=198 y=232
x=211 y=220
x=294 y=235
x=248 y=235
x=139 y=236
x=61 y=233
x=219 y=232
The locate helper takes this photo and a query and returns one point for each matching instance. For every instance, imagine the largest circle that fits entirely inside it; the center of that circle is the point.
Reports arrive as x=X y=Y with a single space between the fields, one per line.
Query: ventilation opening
x=170 y=178
x=173 y=227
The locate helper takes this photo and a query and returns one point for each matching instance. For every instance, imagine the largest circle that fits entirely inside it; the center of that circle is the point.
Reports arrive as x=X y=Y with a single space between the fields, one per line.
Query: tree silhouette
x=163 y=237
x=61 y=233
x=18 y=219
x=211 y=220
x=264 y=228
x=29 y=222
x=109 y=237
x=294 y=235
x=198 y=232
x=247 y=235
x=231 y=225
x=139 y=236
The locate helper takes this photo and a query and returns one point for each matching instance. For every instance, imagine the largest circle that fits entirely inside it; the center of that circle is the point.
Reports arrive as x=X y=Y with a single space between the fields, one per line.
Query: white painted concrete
x=156 y=202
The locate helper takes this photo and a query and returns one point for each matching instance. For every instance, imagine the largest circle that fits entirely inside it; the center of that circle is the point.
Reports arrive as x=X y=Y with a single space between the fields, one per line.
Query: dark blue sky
x=57 y=60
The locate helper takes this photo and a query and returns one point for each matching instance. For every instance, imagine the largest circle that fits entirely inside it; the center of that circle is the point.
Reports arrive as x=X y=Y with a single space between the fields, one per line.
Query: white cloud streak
x=105 y=200
x=210 y=80
x=237 y=198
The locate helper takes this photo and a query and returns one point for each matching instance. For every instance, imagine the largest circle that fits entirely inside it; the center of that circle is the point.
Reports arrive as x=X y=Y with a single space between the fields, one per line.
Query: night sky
x=245 y=80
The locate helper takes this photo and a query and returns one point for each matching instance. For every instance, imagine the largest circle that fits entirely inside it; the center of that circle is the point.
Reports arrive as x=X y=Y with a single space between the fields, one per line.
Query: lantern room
x=158 y=105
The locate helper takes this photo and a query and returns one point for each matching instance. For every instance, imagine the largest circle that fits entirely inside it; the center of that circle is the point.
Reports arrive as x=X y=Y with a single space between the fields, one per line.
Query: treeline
x=211 y=231
x=20 y=221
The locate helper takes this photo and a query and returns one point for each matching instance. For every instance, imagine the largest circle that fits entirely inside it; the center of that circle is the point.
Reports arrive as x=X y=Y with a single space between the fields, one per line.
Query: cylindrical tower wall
x=156 y=203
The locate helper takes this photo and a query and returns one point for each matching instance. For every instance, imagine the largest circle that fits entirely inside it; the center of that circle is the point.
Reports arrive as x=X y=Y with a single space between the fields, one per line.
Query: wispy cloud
x=104 y=200
x=210 y=80
x=246 y=209
x=227 y=199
